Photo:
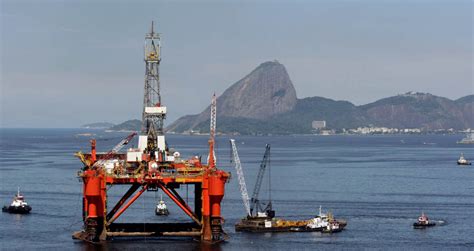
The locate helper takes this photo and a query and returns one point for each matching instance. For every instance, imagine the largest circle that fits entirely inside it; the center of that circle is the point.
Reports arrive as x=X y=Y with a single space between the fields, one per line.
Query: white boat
x=161 y=208
x=469 y=139
x=325 y=223
x=18 y=206
x=319 y=222
x=463 y=161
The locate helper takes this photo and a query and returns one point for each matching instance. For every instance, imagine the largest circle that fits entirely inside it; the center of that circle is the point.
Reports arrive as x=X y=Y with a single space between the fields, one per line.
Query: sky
x=68 y=63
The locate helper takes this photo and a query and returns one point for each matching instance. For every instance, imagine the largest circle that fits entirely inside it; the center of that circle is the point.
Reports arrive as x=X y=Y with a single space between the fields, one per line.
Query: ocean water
x=379 y=184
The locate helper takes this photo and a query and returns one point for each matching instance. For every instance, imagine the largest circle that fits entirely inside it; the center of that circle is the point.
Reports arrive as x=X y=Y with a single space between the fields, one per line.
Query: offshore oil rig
x=151 y=166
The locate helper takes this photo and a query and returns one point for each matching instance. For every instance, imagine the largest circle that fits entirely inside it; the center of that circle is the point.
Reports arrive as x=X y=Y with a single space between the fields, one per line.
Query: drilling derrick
x=152 y=136
x=151 y=166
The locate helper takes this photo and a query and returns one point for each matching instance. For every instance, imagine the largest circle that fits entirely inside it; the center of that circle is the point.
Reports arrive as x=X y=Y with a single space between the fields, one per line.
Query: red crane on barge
x=149 y=167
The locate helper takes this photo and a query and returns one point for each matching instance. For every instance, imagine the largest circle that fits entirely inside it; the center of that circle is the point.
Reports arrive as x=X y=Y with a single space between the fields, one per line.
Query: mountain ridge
x=264 y=101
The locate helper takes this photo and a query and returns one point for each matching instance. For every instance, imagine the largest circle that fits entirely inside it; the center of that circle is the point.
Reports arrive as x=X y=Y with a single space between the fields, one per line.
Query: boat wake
x=440 y=222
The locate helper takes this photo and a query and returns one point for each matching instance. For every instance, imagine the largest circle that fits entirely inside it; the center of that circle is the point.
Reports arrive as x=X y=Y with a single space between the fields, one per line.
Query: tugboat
x=423 y=222
x=322 y=223
x=18 y=206
x=316 y=224
x=463 y=161
x=161 y=208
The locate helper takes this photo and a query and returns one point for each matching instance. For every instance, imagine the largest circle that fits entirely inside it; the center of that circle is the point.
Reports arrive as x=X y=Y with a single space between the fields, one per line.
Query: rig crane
x=114 y=150
x=240 y=175
x=92 y=162
x=211 y=159
x=255 y=202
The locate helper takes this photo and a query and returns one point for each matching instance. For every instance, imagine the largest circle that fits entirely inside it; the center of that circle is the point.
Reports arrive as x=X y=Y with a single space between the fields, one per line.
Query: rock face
x=265 y=92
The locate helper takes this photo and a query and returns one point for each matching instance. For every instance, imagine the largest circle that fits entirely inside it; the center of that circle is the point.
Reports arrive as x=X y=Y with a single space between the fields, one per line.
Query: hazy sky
x=66 y=63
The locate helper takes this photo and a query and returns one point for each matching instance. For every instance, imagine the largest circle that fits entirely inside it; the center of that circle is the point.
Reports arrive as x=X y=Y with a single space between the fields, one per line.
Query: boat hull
x=306 y=229
x=464 y=163
x=420 y=225
x=162 y=212
x=16 y=210
x=258 y=226
x=259 y=229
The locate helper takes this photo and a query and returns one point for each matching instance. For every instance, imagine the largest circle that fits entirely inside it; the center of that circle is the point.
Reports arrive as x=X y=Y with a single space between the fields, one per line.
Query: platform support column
x=216 y=193
x=206 y=212
x=198 y=200
x=94 y=205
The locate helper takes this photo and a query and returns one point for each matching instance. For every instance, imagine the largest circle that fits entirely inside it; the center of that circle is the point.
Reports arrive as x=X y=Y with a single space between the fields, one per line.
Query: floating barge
x=320 y=223
x=261 y=216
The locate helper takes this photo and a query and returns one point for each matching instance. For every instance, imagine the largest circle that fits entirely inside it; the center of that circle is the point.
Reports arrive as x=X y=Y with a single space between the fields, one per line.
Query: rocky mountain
x=265 y=102
x=262 y=94
x=418 y=110
x=337 y=114
x=466 y=104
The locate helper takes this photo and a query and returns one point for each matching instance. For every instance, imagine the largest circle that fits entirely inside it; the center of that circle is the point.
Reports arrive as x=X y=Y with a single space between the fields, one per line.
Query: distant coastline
x=98 y=125
x=324 y=132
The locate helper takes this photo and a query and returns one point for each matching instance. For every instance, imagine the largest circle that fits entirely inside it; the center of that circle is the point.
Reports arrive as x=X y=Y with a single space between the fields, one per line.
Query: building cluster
x=386 y=130
x=318 y=124
x=381 y=130
x=321 y=127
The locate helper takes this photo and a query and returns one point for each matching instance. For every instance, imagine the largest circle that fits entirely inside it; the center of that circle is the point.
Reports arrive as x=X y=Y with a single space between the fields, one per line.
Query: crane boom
x=114 y=150
x=212 y=129
x=211 y=158
x=255 y=203
x=240 y=176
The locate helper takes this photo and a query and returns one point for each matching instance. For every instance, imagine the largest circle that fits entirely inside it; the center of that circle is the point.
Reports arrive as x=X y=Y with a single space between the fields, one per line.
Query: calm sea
x=379 y=184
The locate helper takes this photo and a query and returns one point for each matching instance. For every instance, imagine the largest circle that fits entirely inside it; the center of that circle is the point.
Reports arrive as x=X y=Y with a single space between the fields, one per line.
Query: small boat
x=316 y=224
x=463 y=161
x=469 y=139
x=423 y=222
x=322 y=223
x=332 y=225
x=18 y=206
x=161 y=208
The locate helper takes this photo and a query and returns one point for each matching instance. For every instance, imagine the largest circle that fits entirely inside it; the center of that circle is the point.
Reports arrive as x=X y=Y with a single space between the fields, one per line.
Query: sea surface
x=379 y=184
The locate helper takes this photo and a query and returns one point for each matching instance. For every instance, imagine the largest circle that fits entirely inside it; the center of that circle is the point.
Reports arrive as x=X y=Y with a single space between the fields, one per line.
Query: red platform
x=99 y=219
